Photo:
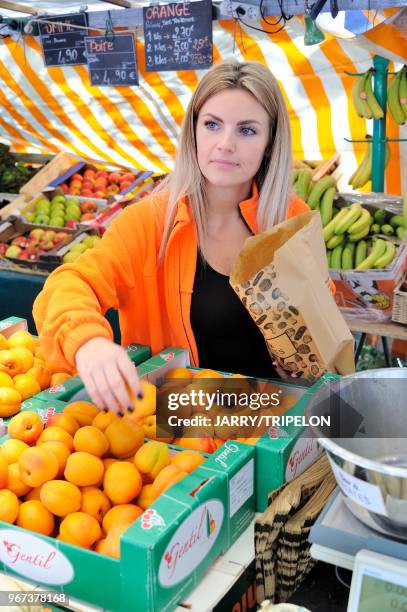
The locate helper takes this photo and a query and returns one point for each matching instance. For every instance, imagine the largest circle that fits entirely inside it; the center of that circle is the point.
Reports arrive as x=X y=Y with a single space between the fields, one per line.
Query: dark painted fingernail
x=130 y=408
x=105 y=409
x=140 y=395
x=120 y=413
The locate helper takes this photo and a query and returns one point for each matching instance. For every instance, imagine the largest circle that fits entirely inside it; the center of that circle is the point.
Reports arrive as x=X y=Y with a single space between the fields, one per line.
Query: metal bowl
x=366 y=442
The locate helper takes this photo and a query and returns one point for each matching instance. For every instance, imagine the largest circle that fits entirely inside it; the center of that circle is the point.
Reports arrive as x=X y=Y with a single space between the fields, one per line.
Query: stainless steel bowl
x=367 y=440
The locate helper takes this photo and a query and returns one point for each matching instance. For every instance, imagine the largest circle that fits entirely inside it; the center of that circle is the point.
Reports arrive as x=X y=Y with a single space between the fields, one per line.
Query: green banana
x=326 y=205
x=361 y=252
x=387 y=229
x=379 y=216
x=328 y=256
x=335 y=241
x=376 y=109
x=362 y=234
x=359 y=97
x=393 y=99
x=375 y=228
x=403 y=91
x=334 y=211
x=387 y=257
x=401 y=232
x=377 y=251
x=364 y=219
x=303 y=183
x=336 y=258
x=294 y=176
x=353 y=214
x=397 y=220
x=318 y=189
x=329 y=229
x=347 y=256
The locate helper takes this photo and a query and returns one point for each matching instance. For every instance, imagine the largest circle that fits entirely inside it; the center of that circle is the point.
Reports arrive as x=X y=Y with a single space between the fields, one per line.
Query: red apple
x=71 y=224
x=77 y=177
x=87 y=217
x=3 y=248
x=88 y=206
x=113 y=189
x=60 y=236
x=100 y=194
x=86 y=193
x=37 y=233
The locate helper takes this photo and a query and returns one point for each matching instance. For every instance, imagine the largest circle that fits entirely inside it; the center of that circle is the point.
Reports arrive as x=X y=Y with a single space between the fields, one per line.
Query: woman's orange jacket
x=122 y=272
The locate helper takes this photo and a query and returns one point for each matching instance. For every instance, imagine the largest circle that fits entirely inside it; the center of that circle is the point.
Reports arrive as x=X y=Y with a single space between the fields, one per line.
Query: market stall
x=146 y=512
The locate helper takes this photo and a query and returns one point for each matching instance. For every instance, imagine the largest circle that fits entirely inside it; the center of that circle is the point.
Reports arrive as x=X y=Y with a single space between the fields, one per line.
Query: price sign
x=62 y=44
x=178 y=36
x=112 y=61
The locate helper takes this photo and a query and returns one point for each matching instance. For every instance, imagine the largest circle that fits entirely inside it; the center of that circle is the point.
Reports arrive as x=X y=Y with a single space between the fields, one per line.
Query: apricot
x=26 y=357
x=15 y=482
x=182 y=373
x=3 y=343
x=54 y=433
x=99 y=546
x=84 y=469
x=146 y=497
x=5 y=379
x=91 y=440
x=26 y=385
x=108 y=462
x=9 y=505
x=10 y=401
x=95 y=503
x=33 y=515
x=61 y=452
x=166 y=478
x=205 y=445
x=65 y=421
x=60 y=497
x=207 y=373
x=122 y=482
x=121 y=514
x=11 y=449
x=187 y=460
x=83 y=412
x=41 y=374
x=80 y=529
x=103 y=419
x=22 y=338
x=59 y=377
x=149 y=425
x=25 y=426
x=3 y=471
x=111 y=545
x=37 y=465
x=146 y=406
x=152 y=457
x=33 y=494
x=125 y=437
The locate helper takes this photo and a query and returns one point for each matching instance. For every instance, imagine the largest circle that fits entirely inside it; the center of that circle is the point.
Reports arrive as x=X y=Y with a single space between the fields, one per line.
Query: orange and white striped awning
x=53 y=109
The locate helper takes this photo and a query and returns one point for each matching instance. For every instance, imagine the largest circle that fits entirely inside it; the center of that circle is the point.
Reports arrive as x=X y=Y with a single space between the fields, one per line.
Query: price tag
x=112 y=61
x=178 y=36
x=363 y=493
x=63 y=45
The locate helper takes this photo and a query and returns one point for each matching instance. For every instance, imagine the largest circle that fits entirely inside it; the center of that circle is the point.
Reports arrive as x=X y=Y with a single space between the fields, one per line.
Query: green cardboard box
x=12 y=324
x=45 y=409
x=164 y=553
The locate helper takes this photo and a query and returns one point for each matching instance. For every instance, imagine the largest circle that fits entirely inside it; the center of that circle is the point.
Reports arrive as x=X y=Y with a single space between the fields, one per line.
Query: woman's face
x=232 y=132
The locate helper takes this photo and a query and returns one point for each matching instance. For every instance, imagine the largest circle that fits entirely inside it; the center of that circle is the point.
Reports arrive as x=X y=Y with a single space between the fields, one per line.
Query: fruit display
x=79 y=246
x=31 y=245
x=364 y=100
x=61 y=211
x=13 y=174
x=355 y=238
x=397 y=96
x=93 y=183
x=363 y=172
x=24 y=372
x=318 y=194
x=85 y=477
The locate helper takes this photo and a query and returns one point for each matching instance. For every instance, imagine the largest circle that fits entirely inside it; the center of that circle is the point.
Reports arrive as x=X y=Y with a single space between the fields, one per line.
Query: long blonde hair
x=274 y=175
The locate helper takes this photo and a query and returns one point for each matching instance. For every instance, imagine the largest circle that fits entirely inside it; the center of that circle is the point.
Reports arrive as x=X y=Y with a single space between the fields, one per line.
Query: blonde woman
x=164 y=262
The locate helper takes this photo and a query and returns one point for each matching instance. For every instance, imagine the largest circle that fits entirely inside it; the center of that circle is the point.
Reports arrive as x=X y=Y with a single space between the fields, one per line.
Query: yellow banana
x=364 y=172
x=303 y=183
x=318 y=189
x=326 y=205
x=376 y=109
x=378 y=249
x=359 y=97
x=403 y=91
x=393 y=99
x=364 y=219
x=329 y=229
x=387 y=256
x=353 y=214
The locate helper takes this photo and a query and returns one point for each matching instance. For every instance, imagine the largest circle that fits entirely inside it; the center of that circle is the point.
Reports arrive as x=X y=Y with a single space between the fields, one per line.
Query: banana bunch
x=397 y=96
x=319 y=195
x=389 y=225
x=364 y=255
x=363 y=172
x=364 y=100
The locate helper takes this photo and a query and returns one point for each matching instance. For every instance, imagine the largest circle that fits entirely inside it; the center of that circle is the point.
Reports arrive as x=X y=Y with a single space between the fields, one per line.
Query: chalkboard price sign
x=178 y=36
x=112 y=61
x=62 y=44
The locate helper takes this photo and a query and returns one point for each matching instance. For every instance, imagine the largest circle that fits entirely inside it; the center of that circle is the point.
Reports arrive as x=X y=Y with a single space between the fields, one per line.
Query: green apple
x=70 y=256
x=89 y=241
x=41 y=219
x=58 y=198
x=30 y=217
x=57 y=222
x=73 y=201
x=79 y=247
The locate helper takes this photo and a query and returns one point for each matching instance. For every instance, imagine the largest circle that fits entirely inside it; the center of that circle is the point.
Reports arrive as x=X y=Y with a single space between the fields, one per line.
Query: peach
x=146 y=496
x=187 y=460
x=15 y=482
x=65 y=421
x=152 y=457
x=37 y=465
x=26 y=357
x=26 y=426
x=33 y=515
x=83 y=412
x=61 y=452
x=5 y=379
x=60 y=497
x=42 y=374
x=54 y=433
x=103 y=419
x=22 y=338
x=91 y=440
x=95 y=502
x=80 y=529
x=111 y=545
x=9 y=505
x=10 y=401
x=146 y=406
x=122 y=482
x=3 y=470
x=84 y=469
x=33 y=494
x=12 y=449
x=121 y=514
x=26 y=385
x=166 y=478
x=125 y=437
x=205 y=445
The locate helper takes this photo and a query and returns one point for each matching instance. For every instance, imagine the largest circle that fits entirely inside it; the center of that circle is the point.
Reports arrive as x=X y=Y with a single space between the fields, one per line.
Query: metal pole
x=379 y=125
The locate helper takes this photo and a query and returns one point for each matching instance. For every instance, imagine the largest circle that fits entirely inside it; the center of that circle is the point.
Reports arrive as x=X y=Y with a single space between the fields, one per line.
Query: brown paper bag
x=281 y=277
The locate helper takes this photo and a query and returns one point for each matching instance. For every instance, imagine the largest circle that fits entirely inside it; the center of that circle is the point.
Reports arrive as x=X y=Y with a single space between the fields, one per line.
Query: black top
x=227 y=337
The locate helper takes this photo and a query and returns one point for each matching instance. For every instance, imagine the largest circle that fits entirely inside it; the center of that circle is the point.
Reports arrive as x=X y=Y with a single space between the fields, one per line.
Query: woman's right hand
x=108 y=374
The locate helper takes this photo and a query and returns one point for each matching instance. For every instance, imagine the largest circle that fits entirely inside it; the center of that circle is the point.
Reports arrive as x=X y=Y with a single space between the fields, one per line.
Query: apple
x=88 y=217
x=70 y=257
x=20 y=241
x=100 y=194
x=37 y=233
x=75 y=185
x=71 y=224
x=58 y=198
x=77 y=177
x=47 y=245
x=78 y=247
x=86 y=193
x=60 y=237
x=13 y=251
x=3 y=248
x=89 y=241
x=73 y=201
x=49 y=235
x=113 y=189
x=64 y=187
x=88 y=206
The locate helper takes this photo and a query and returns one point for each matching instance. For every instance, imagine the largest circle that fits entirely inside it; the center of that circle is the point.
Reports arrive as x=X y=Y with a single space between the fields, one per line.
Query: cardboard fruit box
x=163 y=554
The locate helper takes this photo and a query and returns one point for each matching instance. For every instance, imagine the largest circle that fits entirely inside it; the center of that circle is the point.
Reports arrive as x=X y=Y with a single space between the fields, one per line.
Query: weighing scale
x=378 y=562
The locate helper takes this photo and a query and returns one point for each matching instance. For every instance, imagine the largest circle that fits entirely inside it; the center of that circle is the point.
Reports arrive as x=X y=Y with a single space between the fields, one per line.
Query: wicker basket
x=399 y=314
